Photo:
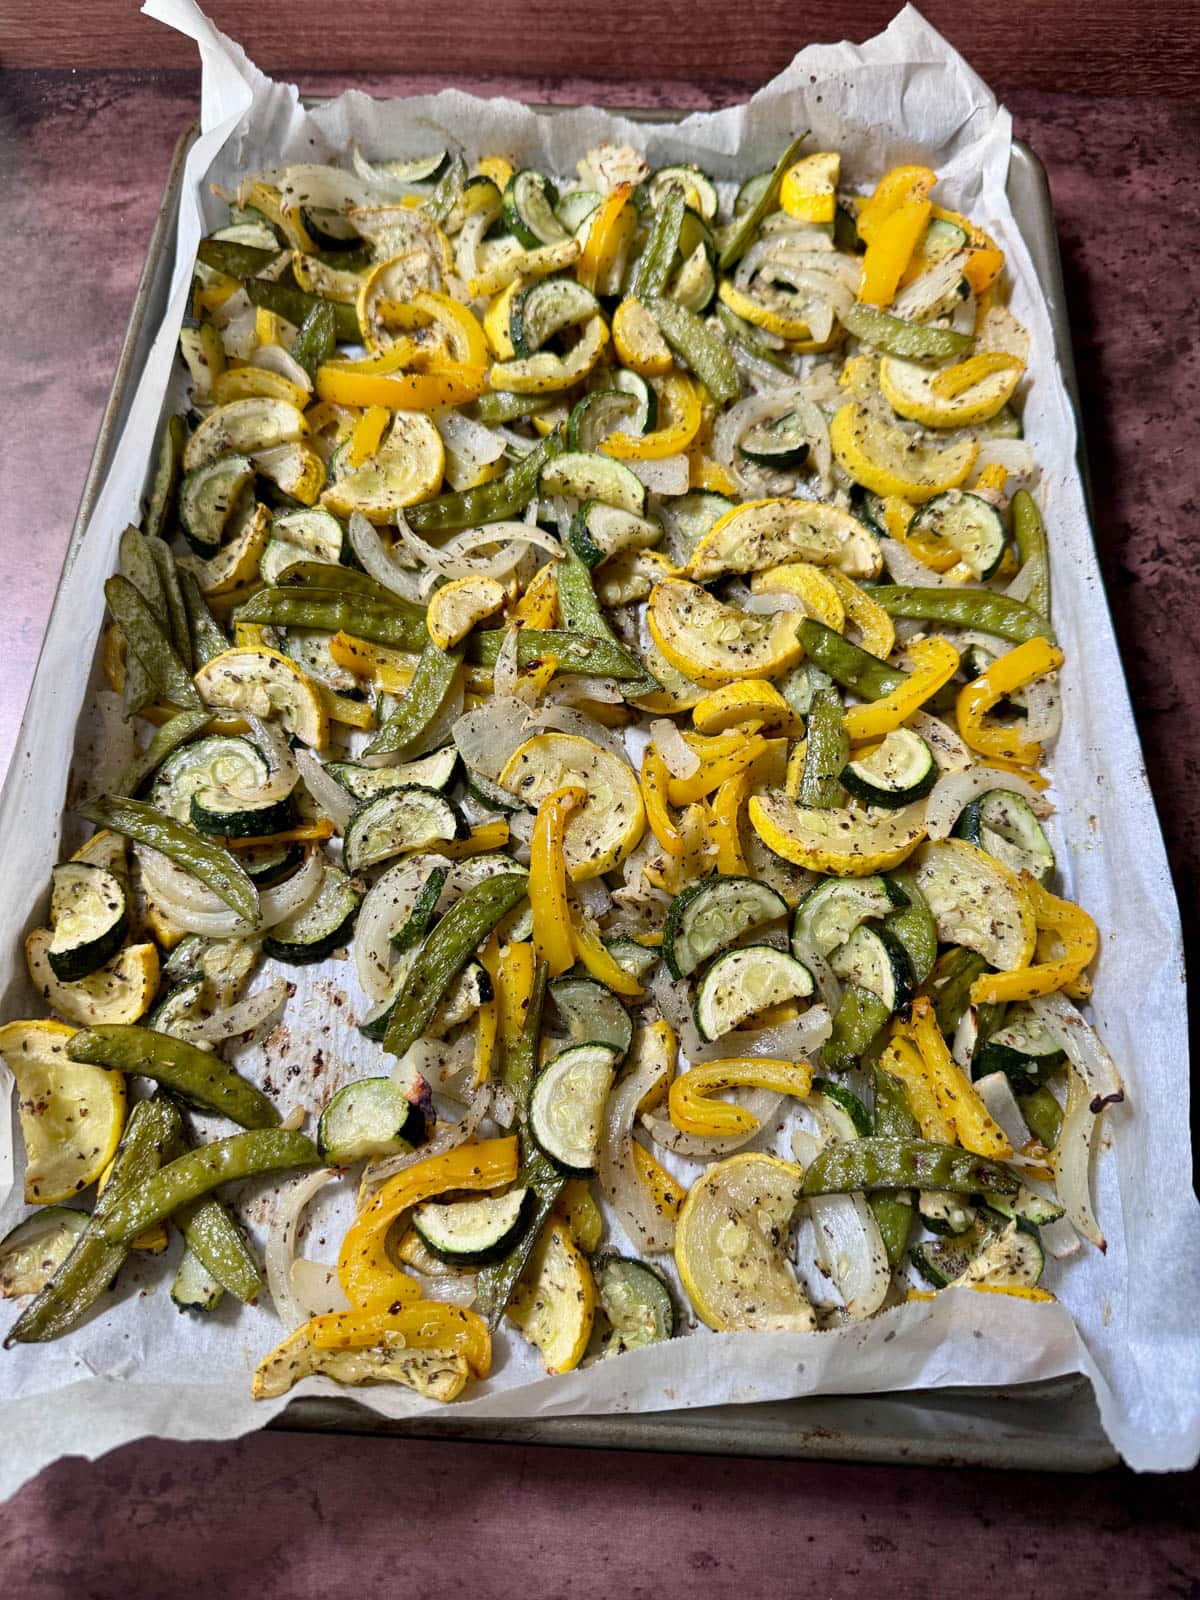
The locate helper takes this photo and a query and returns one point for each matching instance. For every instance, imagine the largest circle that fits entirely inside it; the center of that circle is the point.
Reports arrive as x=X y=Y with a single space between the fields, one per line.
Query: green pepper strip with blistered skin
x=80 y=1280
x=654 y=265
x=826 y=751
x=1029 y=531
x=594 y=658
x=211 y=863
x=490 y=502
x=197 y=1076
x=846 y=664
x=746 y=227
x=213 y=1236
x=911 y=341
x=495 y=1284
x=166 y=478
x=316 y=341
x=423 y=700
x=207 y=638
x=167 y=739
x=582 y=613
x=698 y=346
x=333 y=611
x=893 y=1120
x=445 y=952
x=196 y=1174
x=147 y=639
x=294 y=304
x=964 y=608
x=857 y=1165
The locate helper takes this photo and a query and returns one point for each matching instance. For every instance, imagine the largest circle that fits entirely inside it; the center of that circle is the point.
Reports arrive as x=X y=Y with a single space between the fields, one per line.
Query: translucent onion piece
x=594 y=897
x=316 y=1289
x=1071 y=1160
x=270 y=739
x=506 y=674
x=487 y=737
x=274 y=358
x=326 y=188
x=1043 y=710
x=377 y=563
x=648 y=1227
x=230 y=1021
x=468 y=438
x=281 y=1242
x=828 y=986
x=565 y=719
x=190 y=904
x=1022 y=584
x=333 y=800
x=1014 y=455
x=438 y=1061
x=955 y=790
x=667 y=475
x=906 y=569
x=851 y=1251
x=1085 y=1050
x=681 y=760
x=950 y=754
x=451 y=1290
x=384 y=911
x=794 y=1040
x=575 y=690
x=290 y=897
x=996 y=1092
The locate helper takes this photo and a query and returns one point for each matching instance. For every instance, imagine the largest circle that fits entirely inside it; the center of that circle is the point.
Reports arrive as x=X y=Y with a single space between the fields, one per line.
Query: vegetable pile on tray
x=617 y=616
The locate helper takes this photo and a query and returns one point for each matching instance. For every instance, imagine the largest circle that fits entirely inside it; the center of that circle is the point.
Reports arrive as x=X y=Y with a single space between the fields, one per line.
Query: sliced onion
x=274 y=358
x=647 y=1226
x=1043 y=710
x=793 y=1040
x=488 y=736
x=290 y=897
x=384 y=911
x=851 y=1251
x=1022 y=585
x=316 y=1289
x=1085 y=1050
x=468 y=438
x=1071 y=1160
x=950 y=753
x=906 y=569
x=189 y=904
x=762 y=1104
x=281 y=1243
x=996 y=1092
x=827 y=984
x=576 y=690
x=506 y=674
x=466 y=246
x=955 y=790
x=666 y=475
x=328 y=188
x=246 y=1016
x=438 y=1061
x=451 y=1289
x=325 y=790
x=447 y=1136
x=681 y=760
x=565 y=719
x=377 y=563
x=1014 y=455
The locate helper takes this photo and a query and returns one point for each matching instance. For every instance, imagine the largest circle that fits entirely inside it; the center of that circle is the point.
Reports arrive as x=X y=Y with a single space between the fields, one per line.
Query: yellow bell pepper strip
x=369 y=1279
x=705 y=473
x=1079 y=939
x=487 y=1018
x=655 y=778
x=449 y=385
x=876 y=633
x=1035 y=1296
x=982 y=268
x=548 y=879
x=973 y=1124
x=515 y=989
x=1011 y=671
x=591 y=950
x=903 y=1061
x=458 y=324
x=897 y=187
x=303 y=833
x=483 y=838
x=666 y=1194
x=611 y=229
x=693 y=1110
x=677 y=395
x=890 y=250
x=538 y=606
x=956 y=380
x=935 y=662
x=726 y=811
x=419 y=1325
x=713 y=772
x=990 y=485
x=368 y=432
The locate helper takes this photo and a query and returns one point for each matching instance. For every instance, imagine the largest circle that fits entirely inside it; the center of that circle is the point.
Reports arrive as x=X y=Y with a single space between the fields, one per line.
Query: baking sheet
x=121 y=1373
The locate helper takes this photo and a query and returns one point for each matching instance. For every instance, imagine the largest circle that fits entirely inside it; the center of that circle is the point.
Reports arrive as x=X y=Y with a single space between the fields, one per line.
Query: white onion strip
x=281 y=1243
x=290 y=897
x=1086 y=1052
x=1043 y=710
x=333 y=800
x=906 y=569
x=680 y=759
x=316 y=1289
x=377 y=563
x=230 y=1021
x=955 y=790
x=1071 y=1160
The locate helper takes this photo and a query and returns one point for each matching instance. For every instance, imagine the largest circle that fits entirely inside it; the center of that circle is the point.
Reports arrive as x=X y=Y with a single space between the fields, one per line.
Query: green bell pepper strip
x=1029 y=531
x=826 y=751
x=698 y=346
x=192 y=1176
x=965 y=608
x=423 y=700
x=490 y=502
x=582 y=612
x=575 y=653
x=867 y=1164
x=208 y=639
x=893 y=1213
x=445 y=952
x=746 y=227
x=1043 y=1115
x=335 y=611
x=167 y=739
x=153 y=1127
x=845 y=663
x=198 y=1076
x=522 y=1060
x=504 y=405
x=209 y=862
x=653 y=266
x=177 y=620
x=294 y=304
x=495 y=1284
x=166 y=478
x=147 y=639
x=856 y=1023
x=316 y=341
x=911 y=341
x=213 y=1236
x=913 y=925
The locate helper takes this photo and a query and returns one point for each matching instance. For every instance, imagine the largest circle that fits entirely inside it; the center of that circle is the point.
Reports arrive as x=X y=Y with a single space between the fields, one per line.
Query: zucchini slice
x=946 y=1214
x=599 y=531
x=709 y=916
x=700 y=192
x=208 y=498
x=321 y=927
x=269 y=864
x=368 y=1118
x=529 y=200
x=429 y=772
x=194 y=1288
x=637 y=1302
x=588 y=476
x=566 y=1106
x=689 y=518
x=1003 y=824
x=591 y=1013
x=408 y=818
x=211 y=784
x=875 y=960
x=637 y=959
x=467 y=1232
x=969 y=524
x=832 y=910
x=743 y=982
x=1014 y=1259
x=546 y=307
x=902 y=769
x=89 y=918
x=606 y=411
x=1022 y=1049
x=942 y=1260
x=32 y=1252
x=781 y=442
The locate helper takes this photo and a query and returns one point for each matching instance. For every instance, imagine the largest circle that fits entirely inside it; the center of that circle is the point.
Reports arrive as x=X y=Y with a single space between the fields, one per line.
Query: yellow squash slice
x=122 y=990
x=242 y=427
x=712 y=643
x=977 y=902
x=71 y=1114
x=909 y=390
x=769 y=533
x=848 y=844
x=611 y=820
x=266 y=683
x=406 y=468
x=890 y=461
x=554 y=1304
x=457 y=606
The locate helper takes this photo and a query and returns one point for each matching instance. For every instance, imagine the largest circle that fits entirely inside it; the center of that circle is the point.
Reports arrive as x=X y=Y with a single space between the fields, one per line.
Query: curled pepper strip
x=715 y=768
x=694 y=1111
x=725 y=808
x=590 y=948
x=890 y=250
x=973 y=1124
x=420 y=1325
x=655 y=778
x=610 y=231
x=366 y=1273
x=548 y=879
x=935 y=662
x=903 y=1061
x=1011 y=671
x=682 y=404
x=1080 y=940
x=956 y=380
x=877 y=634
x=897 y=187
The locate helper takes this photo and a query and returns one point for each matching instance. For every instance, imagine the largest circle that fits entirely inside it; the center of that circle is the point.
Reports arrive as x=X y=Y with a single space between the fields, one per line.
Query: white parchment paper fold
x=1128 y=1319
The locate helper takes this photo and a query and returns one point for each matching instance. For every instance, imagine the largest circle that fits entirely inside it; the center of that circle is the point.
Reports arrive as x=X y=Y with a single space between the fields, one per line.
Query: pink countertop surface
x=82 y=161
